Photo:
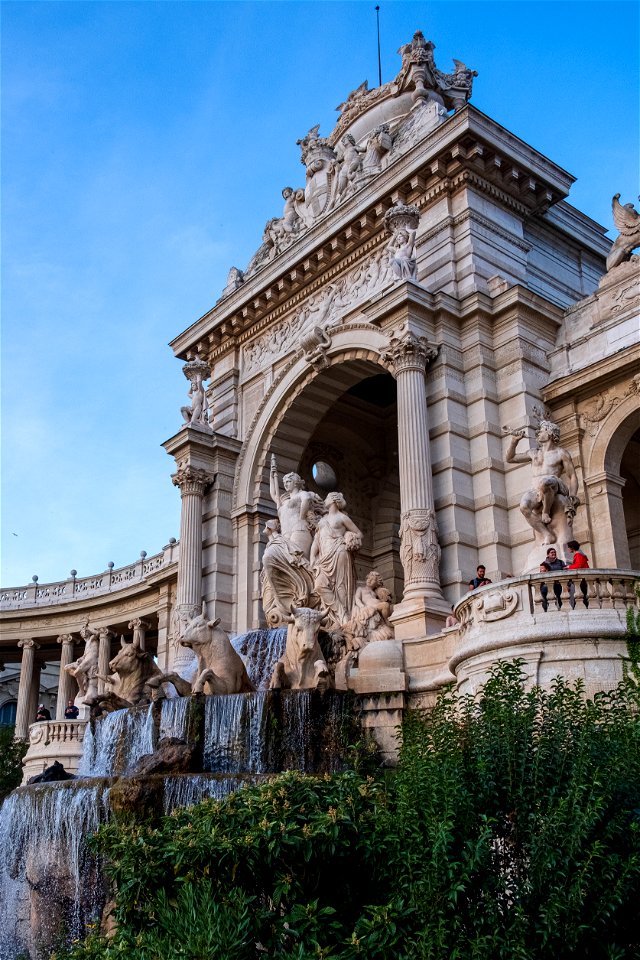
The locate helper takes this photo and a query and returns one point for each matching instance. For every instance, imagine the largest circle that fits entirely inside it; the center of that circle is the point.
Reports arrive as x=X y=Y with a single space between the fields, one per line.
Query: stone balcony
x=571 y=622
x=51 y=740
x=81 y=588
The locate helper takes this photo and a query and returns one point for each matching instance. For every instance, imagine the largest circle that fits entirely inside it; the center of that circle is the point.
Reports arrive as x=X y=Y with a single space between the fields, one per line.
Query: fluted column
x=192 y=482
x=104 y=655
x=408 y=356
x=139 y=627
x=65 y=683
x=23 y=719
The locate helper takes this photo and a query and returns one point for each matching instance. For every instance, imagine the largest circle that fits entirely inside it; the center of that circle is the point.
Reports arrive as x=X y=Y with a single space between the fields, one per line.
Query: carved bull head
x=126 y=656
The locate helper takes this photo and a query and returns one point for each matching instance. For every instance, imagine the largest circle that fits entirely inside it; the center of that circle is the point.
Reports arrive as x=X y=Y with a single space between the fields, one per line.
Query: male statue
x=550 y=506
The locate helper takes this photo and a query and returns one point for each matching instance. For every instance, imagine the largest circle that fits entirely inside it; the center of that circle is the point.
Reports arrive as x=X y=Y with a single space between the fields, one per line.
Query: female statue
x=336 y=540
x=286 y=580
x=296 y=508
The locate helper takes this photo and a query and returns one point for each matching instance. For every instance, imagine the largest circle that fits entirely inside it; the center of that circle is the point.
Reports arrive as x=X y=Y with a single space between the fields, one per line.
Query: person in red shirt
x=578 y=559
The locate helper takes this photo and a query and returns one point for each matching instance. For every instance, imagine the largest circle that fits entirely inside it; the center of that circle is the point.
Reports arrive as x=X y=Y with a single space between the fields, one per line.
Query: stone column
x=139 y=628
x=423 y=601
x=104 y=656
x=23 y=719
x=192 y=482
x=65 y=684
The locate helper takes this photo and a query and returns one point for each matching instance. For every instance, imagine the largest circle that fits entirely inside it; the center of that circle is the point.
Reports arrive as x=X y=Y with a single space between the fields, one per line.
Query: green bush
x=511 y=829
x=11 y=755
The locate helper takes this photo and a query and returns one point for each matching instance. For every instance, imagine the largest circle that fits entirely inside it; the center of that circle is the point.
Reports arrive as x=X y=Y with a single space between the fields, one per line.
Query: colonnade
x=31 y=668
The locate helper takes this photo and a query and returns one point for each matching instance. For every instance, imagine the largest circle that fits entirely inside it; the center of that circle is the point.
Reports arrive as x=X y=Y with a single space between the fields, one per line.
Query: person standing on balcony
x=42 y=714
x=579 y=560
x=71 y=711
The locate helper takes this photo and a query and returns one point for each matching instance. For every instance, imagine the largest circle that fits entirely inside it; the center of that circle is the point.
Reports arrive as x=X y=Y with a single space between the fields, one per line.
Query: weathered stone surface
x=172 y=755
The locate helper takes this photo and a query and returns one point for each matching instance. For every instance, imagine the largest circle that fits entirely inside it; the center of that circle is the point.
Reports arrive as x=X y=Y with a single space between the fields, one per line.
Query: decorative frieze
x=321 y=311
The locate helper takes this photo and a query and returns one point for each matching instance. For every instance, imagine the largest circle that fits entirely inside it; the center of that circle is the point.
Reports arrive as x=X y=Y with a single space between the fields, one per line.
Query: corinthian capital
x=191 y=479
x=409 y=352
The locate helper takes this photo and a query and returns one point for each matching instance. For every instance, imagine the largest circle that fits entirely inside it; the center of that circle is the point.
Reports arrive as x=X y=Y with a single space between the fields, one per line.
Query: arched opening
x=614 y=481
x=8 y=713
x=630 y=473
x=340 y=433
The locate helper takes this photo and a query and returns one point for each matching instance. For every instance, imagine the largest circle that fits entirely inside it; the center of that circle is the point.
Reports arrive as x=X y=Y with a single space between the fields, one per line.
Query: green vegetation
x=11 y=755
x=510 y=831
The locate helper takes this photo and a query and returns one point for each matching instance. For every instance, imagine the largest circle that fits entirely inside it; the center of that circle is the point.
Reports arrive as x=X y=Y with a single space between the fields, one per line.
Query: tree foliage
x=12 y=752
x=511 y=829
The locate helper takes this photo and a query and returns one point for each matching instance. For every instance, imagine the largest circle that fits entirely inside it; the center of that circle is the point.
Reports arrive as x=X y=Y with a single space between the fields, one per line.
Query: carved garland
x=604 y=404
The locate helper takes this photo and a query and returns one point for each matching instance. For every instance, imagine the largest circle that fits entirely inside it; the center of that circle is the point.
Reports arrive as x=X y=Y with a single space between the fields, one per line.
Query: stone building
x=428 y=291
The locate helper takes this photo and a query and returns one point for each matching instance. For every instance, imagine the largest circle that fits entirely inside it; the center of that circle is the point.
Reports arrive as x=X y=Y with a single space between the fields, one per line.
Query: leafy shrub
x=11 y=755
x=510 y=831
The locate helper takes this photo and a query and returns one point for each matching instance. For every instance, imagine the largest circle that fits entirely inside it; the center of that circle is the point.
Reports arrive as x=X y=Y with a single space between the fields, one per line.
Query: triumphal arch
x=430 y=329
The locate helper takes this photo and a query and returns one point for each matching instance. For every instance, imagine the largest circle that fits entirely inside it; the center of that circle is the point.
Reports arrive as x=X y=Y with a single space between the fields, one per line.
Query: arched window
x=8 y=713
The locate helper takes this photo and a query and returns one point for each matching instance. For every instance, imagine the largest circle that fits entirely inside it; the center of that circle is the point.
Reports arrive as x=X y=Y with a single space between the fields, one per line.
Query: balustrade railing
x=552 y=594
x=75 y=588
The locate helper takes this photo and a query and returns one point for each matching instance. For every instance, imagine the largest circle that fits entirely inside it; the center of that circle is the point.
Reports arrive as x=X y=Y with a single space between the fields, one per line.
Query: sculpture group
x=309 y=585
x=339 y=165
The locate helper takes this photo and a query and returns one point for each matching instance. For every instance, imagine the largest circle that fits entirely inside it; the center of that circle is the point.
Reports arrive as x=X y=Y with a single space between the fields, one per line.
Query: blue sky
x=144 y=145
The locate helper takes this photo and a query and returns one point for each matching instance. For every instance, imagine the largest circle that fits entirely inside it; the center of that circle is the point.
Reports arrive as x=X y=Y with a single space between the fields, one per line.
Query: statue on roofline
x=627 y=221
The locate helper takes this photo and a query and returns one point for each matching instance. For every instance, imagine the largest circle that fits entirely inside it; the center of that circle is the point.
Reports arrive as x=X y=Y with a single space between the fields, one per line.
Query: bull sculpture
x=131 y=670
x=303 y=666
x=220 y=668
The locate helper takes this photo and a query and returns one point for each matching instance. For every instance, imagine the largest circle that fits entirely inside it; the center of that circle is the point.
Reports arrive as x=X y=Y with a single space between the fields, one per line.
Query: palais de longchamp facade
x=433 y=330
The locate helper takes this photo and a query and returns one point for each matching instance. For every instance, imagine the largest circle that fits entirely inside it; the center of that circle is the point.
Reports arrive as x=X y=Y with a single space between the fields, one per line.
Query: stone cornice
x=467 y=149
x=599 y=375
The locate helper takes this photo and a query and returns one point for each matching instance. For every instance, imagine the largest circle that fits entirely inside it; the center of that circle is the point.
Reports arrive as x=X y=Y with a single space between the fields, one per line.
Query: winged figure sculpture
x=627 y=221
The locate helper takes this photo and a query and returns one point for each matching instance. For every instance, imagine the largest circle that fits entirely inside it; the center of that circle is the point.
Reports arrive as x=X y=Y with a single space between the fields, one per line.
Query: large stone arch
x=605 y=483
x=303 y=392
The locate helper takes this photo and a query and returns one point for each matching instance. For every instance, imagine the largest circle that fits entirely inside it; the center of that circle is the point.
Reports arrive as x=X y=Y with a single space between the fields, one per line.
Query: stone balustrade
x=80 y=588
x=51 y=740
x=570 y=622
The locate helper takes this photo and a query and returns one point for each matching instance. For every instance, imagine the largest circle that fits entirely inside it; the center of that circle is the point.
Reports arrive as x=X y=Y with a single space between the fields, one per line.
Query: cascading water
x=116 y=742
x=50 y=885
x=48 y=878
x=234 y=739
x=260 y=649
x=174 y=718
x=186 y=790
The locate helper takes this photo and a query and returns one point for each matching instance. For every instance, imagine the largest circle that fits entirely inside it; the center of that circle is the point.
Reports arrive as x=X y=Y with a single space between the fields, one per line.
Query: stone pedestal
x=381 y=682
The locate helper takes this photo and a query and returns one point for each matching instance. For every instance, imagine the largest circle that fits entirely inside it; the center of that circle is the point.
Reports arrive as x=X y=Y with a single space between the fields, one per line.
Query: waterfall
x=48 y=877
x=260 y=649
x=186 y=790
x=116 y=742
x=174 y=718
x=234 y=733
x=296 y=729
